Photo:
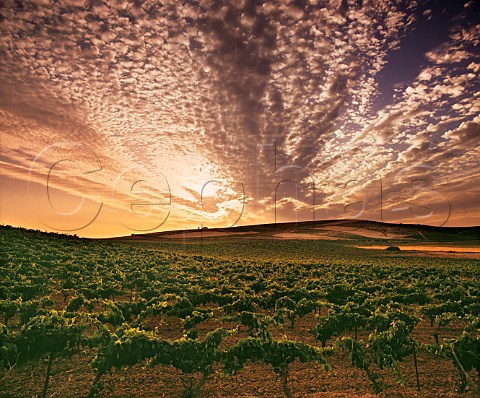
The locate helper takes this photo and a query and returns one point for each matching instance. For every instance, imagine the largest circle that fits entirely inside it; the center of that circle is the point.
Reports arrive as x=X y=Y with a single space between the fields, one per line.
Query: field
x=267 y=311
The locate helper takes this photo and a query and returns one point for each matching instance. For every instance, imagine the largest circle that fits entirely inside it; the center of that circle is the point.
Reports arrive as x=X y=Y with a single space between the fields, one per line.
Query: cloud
x=467 y=135
x=233 y=91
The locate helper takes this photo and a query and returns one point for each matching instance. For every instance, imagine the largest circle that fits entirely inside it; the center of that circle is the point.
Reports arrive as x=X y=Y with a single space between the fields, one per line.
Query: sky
x=121 y=117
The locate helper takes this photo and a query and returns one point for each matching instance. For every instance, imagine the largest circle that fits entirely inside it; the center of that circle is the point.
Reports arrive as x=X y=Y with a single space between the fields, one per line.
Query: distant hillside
x=339 y=230
x=348 y=231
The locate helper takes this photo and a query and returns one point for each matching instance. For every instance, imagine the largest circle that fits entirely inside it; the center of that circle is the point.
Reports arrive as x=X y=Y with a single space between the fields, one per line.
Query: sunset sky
x=120 y=117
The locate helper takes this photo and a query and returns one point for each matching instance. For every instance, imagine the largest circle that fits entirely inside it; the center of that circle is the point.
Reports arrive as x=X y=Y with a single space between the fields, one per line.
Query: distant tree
x=393 y=249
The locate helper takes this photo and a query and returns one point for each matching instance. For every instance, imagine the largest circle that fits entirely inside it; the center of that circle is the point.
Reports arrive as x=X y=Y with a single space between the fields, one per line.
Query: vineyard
x=233 y=318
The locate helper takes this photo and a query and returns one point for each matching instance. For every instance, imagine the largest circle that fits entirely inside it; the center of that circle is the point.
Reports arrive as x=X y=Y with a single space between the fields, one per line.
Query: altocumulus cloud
x=249 y=93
